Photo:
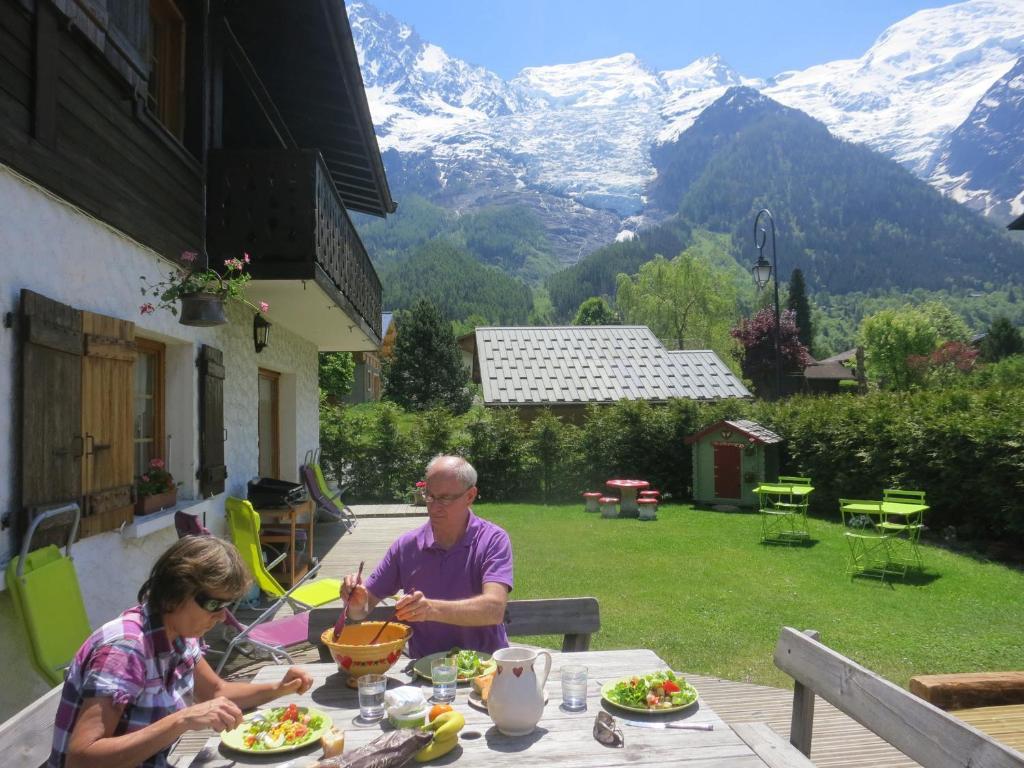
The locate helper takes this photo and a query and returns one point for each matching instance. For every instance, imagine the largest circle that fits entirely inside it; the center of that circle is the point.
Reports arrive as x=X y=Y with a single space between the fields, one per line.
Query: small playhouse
x=730 y=459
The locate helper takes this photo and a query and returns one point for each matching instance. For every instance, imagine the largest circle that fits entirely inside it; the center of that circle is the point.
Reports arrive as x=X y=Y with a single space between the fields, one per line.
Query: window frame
x=158 y=349
x=165 y=93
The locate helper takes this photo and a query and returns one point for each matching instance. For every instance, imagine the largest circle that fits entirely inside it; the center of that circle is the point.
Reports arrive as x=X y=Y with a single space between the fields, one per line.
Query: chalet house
x=566 y=368
x=131 y=131
x=367 y=384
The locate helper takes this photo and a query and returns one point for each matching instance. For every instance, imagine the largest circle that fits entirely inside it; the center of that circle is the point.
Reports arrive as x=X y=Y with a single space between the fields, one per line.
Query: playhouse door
x=727 y=471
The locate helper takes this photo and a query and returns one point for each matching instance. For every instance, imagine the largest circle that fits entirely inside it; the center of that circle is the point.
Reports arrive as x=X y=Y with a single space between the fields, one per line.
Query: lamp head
x=762 y=271
x=260 y=332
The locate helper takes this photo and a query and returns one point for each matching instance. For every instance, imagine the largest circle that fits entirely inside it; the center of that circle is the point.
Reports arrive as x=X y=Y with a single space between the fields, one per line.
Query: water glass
x=574 y=687
x=371 y=697
x=444 y=674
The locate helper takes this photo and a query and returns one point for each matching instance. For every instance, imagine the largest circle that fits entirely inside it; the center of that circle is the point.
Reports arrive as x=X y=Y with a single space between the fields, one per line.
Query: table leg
x=292 y=556
x=627 y=503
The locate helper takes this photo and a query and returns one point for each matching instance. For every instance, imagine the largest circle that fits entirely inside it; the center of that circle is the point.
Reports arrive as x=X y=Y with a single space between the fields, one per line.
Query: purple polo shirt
x=414 y=561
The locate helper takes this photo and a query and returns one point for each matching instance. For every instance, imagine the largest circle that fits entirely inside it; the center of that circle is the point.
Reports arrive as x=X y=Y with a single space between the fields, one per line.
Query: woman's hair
x=191 y=565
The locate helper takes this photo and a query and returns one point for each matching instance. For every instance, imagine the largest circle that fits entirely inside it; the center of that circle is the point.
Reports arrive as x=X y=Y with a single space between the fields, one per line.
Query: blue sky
x=758 y=39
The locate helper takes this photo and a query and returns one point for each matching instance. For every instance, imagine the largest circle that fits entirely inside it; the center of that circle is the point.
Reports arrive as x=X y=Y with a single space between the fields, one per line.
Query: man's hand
x=414 y=607
x=220 y=714
x=295 y=680
x=354 y=593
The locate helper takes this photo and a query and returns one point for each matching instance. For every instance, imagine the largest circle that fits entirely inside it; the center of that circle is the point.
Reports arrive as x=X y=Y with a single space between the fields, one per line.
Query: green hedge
x=964 y=447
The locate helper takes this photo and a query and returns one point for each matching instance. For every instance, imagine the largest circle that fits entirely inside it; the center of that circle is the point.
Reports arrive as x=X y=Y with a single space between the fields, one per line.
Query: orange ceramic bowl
x=356 y=658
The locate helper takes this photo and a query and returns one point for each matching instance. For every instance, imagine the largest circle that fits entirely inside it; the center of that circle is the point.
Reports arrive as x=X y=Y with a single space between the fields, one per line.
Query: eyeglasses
x=211 y=604
x=443 y=500
x=606 y=732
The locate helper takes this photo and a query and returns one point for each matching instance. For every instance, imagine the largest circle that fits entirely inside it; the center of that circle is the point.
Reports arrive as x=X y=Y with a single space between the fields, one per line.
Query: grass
x=698 y=588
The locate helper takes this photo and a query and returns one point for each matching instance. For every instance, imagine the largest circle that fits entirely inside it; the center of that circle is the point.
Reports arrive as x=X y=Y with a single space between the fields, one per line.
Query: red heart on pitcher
x=517 y=671
x=392 y=656
x=346 y=662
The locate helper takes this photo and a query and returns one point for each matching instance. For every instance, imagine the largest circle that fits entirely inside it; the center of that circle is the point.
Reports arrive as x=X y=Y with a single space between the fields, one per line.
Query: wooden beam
x=257 y=88
x=47 y=56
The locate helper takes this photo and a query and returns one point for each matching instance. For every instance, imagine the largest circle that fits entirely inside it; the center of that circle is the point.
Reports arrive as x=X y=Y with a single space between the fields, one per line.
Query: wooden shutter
x=108 y=375
x=212 y=469
x=51 y=406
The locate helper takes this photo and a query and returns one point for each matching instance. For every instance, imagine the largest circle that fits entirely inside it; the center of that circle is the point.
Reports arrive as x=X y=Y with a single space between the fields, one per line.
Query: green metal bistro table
x=898 y=526
x=783 y=508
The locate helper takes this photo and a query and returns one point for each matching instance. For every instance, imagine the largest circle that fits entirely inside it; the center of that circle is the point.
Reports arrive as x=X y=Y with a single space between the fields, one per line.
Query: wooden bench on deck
x=920 y=730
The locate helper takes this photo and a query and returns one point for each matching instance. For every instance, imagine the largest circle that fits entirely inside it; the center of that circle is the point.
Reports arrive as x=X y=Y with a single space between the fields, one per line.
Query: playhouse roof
x=753 y=431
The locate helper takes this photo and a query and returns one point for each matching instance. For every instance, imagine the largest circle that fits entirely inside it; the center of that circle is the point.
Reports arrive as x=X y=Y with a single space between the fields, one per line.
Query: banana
x=446 y=725
x=436 y=749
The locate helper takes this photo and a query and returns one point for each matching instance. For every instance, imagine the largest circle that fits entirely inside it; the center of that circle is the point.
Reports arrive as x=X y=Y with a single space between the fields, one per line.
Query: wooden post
x=801 y=727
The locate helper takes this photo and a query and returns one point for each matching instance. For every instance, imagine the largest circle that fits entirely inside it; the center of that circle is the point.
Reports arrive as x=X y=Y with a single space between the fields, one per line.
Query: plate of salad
x=470 y=664
x=662 y=691
x=279 y=729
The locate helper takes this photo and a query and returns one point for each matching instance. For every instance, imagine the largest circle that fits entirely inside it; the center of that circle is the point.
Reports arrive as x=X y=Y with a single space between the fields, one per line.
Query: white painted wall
x=54 y=249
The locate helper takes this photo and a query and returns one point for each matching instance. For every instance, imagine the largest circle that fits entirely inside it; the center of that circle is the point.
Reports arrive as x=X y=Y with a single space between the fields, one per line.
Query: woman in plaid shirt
x=127 y=695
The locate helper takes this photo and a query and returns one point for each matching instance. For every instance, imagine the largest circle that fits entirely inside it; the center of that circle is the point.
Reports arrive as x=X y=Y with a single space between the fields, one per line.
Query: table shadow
x=499 y=742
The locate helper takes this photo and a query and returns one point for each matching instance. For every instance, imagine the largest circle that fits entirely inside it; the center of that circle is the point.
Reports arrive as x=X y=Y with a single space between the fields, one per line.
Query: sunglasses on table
x=606 y=732
x=211 y=604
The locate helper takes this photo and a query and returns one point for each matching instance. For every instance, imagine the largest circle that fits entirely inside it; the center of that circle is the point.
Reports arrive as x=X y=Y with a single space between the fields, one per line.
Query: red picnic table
x=627 y=495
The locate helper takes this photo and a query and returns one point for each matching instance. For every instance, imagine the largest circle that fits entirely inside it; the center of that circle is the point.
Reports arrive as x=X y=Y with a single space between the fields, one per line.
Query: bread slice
x=482 y=685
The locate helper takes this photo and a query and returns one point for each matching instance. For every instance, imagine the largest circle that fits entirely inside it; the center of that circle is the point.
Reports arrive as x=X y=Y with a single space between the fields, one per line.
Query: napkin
x=406 y=700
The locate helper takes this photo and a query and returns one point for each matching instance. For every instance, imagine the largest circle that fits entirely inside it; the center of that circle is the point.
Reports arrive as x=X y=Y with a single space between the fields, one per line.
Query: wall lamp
x=260 y=332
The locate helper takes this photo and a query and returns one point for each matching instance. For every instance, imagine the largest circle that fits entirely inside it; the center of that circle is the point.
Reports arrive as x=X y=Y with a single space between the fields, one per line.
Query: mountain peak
x=597 y=82
x=705 y=72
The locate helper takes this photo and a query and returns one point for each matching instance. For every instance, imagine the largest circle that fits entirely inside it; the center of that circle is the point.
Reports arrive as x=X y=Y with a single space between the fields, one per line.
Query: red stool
x=609 y=506
x=650 y=494
x=591 y=500
x=648 y=508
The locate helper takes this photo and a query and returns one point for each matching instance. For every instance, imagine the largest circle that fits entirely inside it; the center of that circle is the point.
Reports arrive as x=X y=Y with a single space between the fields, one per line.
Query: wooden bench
x=970 y=689
x=575 y=618
x=26 y=739
x=920 y=730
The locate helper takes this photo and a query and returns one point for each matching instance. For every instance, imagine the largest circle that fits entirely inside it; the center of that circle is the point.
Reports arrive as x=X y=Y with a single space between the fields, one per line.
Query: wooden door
x=51 y=405
x=727 y=471
x=269 y=419
x=108 y=369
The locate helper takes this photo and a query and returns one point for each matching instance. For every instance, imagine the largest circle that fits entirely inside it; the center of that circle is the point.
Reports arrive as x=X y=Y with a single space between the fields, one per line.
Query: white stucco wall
x=58 y=251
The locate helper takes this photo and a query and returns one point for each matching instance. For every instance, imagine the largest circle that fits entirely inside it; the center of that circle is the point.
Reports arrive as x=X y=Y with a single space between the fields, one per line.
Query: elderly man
x=455 y=570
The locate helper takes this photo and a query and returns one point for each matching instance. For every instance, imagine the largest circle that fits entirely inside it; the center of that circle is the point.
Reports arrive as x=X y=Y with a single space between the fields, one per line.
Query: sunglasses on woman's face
x=606 y=732
x=211 y=604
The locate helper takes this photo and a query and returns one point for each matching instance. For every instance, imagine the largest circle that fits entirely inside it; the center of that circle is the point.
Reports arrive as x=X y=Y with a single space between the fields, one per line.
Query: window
x=166 y=97
x=269 y=434
x=148 y=421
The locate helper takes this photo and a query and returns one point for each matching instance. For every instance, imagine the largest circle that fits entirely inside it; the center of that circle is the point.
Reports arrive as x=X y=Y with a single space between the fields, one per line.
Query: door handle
x=90 y=442
x=225 y=434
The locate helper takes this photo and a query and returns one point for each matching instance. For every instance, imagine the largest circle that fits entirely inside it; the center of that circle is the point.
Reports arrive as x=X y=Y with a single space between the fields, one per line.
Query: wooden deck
x=838 y=741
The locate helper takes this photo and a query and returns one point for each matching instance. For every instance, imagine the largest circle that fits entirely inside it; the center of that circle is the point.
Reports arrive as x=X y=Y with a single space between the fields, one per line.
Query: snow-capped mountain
x=575 y=140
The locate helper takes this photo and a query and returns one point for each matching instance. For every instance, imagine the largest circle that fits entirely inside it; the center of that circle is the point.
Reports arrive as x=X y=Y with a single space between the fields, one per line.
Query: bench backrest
x=905 y=497
x=793 y=480
x=919 y=730
x=26 y=739
x=575 y=618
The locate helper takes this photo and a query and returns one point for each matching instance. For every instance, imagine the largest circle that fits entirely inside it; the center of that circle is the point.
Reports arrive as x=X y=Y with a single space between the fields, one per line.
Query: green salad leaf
x=649 y=691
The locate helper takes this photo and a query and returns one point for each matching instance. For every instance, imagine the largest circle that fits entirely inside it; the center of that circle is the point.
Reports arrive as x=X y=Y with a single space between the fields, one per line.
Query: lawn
x=698 y=588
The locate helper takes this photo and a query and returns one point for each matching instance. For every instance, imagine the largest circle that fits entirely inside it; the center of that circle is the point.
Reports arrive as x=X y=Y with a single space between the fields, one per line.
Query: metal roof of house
x=558 y=365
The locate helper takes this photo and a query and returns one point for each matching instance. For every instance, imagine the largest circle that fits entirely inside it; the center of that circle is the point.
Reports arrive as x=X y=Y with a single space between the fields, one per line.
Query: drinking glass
x=371 y=697
x=574 y=687
x=444 y=674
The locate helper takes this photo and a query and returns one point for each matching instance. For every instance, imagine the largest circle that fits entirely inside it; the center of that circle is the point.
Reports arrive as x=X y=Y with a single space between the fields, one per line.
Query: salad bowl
x=470 y=664
x=355 y=656
x=639 y=693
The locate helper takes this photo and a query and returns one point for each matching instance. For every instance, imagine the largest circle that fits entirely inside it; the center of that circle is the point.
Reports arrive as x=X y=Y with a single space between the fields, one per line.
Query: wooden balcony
x=281 y=207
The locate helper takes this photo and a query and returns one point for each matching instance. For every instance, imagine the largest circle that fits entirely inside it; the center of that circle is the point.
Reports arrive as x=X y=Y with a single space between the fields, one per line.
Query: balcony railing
x=281 y=207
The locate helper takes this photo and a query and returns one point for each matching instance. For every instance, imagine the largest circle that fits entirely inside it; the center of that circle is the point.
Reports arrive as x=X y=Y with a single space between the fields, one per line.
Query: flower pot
x=147 y=505
x=202 y=310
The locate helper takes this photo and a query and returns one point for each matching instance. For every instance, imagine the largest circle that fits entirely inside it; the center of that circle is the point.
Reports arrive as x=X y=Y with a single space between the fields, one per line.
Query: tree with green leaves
x=336 y=374
x=686 y=302
x=890 y=338
x=595 y=311
x=1002 y=340
x=948 y=325
x=801 y=307
x=426 y=370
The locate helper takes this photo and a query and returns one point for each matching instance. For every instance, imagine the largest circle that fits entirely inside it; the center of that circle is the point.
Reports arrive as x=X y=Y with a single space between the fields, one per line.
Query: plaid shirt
x=130 y=661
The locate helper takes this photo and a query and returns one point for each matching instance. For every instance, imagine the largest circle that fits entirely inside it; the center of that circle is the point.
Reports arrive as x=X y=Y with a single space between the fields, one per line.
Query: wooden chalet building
x=131 y=131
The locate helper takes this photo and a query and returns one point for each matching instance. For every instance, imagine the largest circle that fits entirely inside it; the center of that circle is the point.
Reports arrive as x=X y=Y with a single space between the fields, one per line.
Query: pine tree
x=1002 y=340
x=797 y=302
x=427 y=370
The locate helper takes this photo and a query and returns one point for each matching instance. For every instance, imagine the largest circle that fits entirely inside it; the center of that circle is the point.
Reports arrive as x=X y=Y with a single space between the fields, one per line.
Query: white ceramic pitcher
x=516 y=701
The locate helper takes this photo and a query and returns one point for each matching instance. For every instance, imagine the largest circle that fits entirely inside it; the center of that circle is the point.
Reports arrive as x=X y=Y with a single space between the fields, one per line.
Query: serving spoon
x=340 y=623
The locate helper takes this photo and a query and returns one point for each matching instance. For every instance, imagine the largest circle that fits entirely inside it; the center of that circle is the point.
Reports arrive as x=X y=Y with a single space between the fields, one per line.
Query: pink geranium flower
x=146 y=309
x=264 y=306
x=158 y=463
x=189 y=256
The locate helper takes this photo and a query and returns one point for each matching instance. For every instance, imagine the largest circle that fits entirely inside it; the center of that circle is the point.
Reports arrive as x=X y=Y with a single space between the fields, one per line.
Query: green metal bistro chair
x=793 y=480
x=783 y=515
x=870 y=546
x=902 y=519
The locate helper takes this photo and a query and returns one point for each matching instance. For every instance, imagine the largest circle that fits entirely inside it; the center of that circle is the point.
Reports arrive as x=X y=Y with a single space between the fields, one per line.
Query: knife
x=680 y=726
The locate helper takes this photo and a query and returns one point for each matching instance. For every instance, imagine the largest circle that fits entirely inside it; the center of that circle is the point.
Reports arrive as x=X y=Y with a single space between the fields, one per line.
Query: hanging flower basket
x=202 y=310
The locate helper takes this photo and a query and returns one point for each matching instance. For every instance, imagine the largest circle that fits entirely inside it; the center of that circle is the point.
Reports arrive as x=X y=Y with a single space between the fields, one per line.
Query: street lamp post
x=763 y=272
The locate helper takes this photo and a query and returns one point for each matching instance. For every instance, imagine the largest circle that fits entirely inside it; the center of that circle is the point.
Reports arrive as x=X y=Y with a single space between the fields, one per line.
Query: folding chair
x=902 y=518
x=334 y=507
x=793 y=480
x=870 y=550
x=244 y=524
x=47 y=598
x=264 y=633
x=331 y=507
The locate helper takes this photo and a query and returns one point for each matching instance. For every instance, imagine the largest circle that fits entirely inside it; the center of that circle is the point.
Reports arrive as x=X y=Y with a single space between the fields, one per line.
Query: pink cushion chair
x=591 y=501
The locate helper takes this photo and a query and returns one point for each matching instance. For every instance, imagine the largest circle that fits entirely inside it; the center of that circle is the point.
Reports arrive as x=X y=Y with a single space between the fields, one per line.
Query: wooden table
x=561 y=739
x=294 y=566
